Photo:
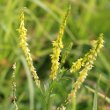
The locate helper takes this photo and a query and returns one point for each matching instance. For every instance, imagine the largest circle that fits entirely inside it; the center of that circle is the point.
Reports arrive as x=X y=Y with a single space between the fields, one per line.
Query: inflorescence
x=57 y=46
x=87 y=64
x=24 y=45
x=14 y=87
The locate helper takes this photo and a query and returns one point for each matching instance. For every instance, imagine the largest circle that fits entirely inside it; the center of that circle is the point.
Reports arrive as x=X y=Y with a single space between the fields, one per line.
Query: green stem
x=48 y=96
x=107 y=99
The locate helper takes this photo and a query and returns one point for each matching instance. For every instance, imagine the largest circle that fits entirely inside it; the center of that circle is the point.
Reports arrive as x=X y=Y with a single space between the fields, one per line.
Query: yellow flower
x=61 y=108
x=76 y=65
x=88 y=61
x=57 y=46
x=24 y=45
x=90 y=55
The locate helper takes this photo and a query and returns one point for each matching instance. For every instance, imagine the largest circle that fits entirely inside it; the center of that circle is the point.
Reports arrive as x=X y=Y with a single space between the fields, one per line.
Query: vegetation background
x=87 y=19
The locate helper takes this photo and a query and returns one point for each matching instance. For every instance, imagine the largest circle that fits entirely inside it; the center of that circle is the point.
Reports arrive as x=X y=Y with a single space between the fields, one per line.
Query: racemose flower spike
x=14 y=87
x=24 y=45
x=87 y=62
x=57 y=46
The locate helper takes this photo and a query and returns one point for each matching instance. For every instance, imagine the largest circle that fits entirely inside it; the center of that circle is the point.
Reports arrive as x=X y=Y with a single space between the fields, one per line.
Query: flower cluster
x=23 y=44
x=14 y=87
x=87 y=63
x=57 y=46
x=61 y=108
x=76 y=65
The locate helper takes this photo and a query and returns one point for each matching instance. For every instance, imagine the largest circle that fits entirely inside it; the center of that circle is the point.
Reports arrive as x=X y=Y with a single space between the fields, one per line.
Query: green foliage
x=87 y=19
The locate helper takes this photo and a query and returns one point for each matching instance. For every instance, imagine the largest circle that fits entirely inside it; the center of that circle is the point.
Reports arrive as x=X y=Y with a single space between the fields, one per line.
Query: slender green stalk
x=107 y=99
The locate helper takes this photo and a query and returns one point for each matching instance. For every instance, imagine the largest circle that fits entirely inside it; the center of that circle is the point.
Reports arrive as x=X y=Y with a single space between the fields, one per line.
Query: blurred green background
x=87 y=19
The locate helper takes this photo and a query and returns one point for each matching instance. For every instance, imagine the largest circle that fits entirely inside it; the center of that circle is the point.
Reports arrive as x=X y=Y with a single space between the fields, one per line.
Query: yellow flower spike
x=100 y=43
x=89 y=59
x=24 y=45
x=14 y=87
x=82 y=61
x=57 y=46
x=76 y=65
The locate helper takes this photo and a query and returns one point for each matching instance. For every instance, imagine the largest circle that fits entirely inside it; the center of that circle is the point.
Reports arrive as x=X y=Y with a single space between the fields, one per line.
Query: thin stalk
x=107 y=99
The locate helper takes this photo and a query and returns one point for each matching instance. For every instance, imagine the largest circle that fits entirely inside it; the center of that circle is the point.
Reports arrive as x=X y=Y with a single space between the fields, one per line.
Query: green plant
x=87 y=19
x=86 y=62
x=14 y=87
